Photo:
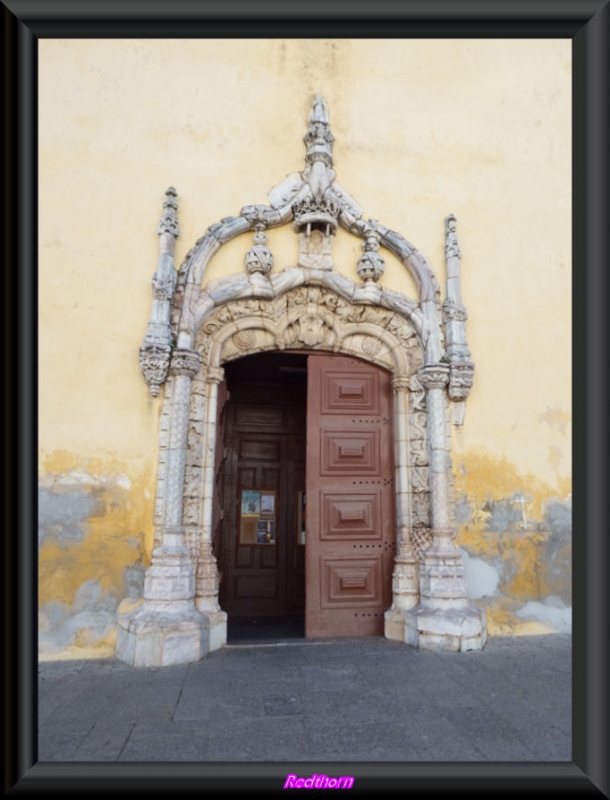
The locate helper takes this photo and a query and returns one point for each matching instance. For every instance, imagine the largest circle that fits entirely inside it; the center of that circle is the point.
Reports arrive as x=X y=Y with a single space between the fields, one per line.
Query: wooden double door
x=305 y=489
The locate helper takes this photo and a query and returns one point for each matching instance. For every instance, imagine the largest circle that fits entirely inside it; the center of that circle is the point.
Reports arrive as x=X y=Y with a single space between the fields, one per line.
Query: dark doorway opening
x=305 y=432
x=260 y=548
x=265 y=629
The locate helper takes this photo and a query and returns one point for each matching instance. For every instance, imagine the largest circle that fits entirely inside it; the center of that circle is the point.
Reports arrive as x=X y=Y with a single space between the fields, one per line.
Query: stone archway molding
x=194 y=330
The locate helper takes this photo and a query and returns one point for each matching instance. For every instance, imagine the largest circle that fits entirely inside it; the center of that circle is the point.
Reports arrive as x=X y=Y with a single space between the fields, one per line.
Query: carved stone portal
x=195 y=329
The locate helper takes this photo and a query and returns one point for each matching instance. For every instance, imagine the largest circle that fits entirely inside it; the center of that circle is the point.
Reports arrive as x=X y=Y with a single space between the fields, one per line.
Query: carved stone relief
x=195 y=328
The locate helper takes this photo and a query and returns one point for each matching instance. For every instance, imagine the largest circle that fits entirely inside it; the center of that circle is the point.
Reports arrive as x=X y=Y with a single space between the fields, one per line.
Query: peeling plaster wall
x=423 y=128
x=94 y=540
x=516 y=540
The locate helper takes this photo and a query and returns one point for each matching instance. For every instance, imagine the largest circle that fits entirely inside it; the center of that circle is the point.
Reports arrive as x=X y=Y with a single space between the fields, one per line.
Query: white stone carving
x=259 y=258
x=434 y=376
x=452 y=248
x=244 y=340
x=185 y=362
x=371 y=346
x=154 y=363
x=155 y=350
x=193 y=330
x=461 y=375
x=169 y=221
x=371 y=265
x=444 y=618
x=454 y=315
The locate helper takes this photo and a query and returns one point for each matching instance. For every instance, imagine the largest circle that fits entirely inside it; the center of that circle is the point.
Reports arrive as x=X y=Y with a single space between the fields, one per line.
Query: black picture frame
x=587 y=24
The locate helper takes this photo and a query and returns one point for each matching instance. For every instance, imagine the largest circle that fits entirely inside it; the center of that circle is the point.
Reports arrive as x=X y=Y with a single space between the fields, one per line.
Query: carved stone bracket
x=154 y=363
x=461 y=376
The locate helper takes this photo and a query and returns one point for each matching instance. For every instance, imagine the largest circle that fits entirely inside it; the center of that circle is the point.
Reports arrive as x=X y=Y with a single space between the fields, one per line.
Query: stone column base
x=395 y=619
x=218 y=628
x=456 y=629
x=394 y=625
x=154 y=633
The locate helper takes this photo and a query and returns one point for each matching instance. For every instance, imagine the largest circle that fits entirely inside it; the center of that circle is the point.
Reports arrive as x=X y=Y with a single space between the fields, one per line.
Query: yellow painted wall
x=423 y=128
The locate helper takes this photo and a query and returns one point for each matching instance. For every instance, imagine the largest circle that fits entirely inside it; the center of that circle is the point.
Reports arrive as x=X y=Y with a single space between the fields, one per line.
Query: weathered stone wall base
x=218 y=628
x=446 y=629
x=394 y=625
x=159 y=634
x=165 y=628
x=445 y=619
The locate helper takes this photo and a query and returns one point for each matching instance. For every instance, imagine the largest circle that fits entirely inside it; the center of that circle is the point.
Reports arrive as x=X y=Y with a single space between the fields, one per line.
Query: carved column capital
x=185 y=362
x=401 y=383
x=215 y=375
x=434 y=376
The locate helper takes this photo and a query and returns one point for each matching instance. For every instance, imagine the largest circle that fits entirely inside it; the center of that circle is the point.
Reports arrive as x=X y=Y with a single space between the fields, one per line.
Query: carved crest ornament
x=196 y=327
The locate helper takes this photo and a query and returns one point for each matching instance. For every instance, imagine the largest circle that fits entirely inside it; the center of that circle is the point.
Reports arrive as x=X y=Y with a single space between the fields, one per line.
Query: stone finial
x=259 y=258
x=371 y=265
x=169 y=221
x=452 y=248
x=319 y=139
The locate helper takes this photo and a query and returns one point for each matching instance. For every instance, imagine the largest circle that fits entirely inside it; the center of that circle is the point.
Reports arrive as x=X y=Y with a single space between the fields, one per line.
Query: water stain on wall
x=94 y=535
x=515 y=534
x=95 y=538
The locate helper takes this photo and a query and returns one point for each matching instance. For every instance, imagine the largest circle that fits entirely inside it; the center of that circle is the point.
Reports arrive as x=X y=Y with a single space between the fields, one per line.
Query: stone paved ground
x=364 y=700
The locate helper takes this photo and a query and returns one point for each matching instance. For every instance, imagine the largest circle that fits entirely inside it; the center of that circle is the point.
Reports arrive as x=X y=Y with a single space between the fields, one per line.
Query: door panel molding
x=347 y=566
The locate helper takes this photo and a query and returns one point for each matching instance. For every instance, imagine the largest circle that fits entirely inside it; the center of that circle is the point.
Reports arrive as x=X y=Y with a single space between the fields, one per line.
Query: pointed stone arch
x=195 y=329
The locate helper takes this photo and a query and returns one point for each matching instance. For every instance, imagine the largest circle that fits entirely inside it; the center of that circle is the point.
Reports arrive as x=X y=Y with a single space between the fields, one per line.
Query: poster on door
x=265 y=531
x=257 y=523
x=250 y=502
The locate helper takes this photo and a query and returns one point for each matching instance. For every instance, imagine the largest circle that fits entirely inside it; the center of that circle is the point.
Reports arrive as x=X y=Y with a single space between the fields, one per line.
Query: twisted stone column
x=444 y=618
x=405 y=580
x=207 y=583
x=165 y=628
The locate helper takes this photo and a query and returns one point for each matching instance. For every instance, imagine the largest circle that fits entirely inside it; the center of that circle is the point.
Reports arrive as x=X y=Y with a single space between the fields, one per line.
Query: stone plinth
x=444 y=618
x=446 y=629
x=164 y=628
x=158 y=634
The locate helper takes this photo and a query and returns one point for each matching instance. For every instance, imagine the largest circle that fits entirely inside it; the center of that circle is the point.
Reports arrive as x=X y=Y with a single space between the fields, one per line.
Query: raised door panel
x=264 y=579
x=350 y=497
x=253 y=573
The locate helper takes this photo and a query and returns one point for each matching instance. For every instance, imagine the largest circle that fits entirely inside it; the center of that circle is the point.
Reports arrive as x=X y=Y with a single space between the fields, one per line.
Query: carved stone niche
x=316 y=224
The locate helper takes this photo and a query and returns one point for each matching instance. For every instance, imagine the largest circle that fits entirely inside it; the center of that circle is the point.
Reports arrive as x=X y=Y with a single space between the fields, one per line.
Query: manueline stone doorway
x=197 y=329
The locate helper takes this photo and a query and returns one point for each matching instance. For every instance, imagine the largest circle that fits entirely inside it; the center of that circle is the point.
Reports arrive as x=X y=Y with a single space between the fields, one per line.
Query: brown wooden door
x=265 y=454
x=350 y=497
